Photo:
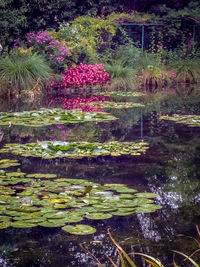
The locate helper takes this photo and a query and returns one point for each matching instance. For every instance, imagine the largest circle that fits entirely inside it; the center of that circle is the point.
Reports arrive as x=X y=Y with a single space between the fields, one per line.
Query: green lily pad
x=121 y=93
x=80 y=229
x=190 y=120
x=56 y=149
x=146 y=195
x=22 y=224
x=99 y=216
x=41 y=175
x=45 y=117
x=120 y=105
x=5 y=163
x=4 y=225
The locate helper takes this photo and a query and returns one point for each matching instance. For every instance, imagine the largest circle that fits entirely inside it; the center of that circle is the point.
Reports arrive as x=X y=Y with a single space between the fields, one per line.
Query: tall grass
x=20 y=72
x=122 y=76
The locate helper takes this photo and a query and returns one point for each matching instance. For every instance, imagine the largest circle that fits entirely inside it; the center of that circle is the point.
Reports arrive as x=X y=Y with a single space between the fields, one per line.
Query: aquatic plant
x=121 y=105
x=121 y=93
x=190 y=120
x=76 y=150
x=21 y=72
x=29 y=200
x=45 y=117
x=125 y=257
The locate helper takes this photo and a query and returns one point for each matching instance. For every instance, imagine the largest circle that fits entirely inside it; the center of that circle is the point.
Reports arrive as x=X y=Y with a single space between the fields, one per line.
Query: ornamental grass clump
x=19 y=73
x=122 y=77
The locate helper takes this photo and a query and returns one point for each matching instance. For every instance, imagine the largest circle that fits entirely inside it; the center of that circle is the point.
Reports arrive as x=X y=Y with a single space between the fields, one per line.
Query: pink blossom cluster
x=41 y=40
x=83 y=103
x=40 y=37
x=85 y=75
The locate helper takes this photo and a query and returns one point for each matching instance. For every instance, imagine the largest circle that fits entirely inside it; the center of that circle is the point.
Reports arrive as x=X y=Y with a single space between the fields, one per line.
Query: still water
x=170 y=168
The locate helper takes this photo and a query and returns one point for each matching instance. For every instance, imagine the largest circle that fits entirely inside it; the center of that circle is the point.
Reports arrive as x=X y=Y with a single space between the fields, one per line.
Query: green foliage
x=20 y=72
x=187 y=69
x=122 y=76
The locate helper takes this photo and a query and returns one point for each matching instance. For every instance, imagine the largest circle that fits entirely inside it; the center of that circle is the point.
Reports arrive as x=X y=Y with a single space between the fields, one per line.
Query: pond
x=167 y=167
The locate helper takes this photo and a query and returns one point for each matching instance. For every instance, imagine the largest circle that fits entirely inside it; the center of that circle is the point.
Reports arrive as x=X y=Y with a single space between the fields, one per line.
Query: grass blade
x=156 y=262
x=132 y=264
x=112 y=261
x=187 y=257
x=99 y=263
x=121 y=258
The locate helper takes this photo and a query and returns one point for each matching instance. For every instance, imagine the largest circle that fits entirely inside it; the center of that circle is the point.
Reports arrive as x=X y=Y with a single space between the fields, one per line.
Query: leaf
x=187 y=257
x=121 y=258
x=132 y=264
x=79 y=229
x=156 y=262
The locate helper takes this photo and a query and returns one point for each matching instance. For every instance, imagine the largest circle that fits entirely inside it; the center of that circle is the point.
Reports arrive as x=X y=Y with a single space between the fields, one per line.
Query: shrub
x=85 y=76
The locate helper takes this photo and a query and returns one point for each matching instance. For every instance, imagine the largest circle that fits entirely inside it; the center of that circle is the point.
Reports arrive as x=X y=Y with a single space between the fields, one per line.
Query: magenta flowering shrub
x=85 y=75
x=56 y=52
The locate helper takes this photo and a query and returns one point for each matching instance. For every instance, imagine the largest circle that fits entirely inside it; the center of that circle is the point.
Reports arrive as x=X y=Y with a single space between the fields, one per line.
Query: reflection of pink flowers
x=83 y=103
x=60 y=126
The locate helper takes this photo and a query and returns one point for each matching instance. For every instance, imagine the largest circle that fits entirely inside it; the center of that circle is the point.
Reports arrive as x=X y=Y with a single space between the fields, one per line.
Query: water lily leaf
x=80 y=229
x=22 y=224
x=121 y=93
x=121 y=105
x=4 y=224
x=190 y=120
x=15 y=174
x=80 y=149
x=98 y=216
x=5 y=163
x=42 y=175
x=44 y=117
x=51 y=224
x=146 y=195
x=73 y=218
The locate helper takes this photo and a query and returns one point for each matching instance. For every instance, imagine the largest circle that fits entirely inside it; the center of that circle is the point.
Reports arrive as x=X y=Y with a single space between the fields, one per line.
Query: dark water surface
x=170 y=168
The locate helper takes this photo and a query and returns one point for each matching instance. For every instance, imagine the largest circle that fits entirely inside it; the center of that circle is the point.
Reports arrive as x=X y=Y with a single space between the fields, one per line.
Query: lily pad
x=80 y=229
x=43 y=117
x=55 y=149
x=121 y=93
x=5 y=163
x=190 y=120
x=119 y=105
x=99 y=216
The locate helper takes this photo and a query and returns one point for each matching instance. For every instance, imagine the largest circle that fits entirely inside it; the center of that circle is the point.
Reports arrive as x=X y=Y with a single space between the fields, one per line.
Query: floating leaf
x=190 y=120
x=99 y=216
x=80 y=229
x=120 y=105
x=50 y=149
x=44 y=117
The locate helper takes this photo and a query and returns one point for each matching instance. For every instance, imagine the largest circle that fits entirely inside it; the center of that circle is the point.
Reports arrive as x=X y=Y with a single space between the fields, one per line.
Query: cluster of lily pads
x=60 y=149
x=45 y=117
x=30 y=200
x=108 y=104
x=191 y=120
x=121 y=93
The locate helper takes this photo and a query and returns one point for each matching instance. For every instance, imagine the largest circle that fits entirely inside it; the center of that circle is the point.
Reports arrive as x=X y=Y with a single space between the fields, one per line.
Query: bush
x=84 y=76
